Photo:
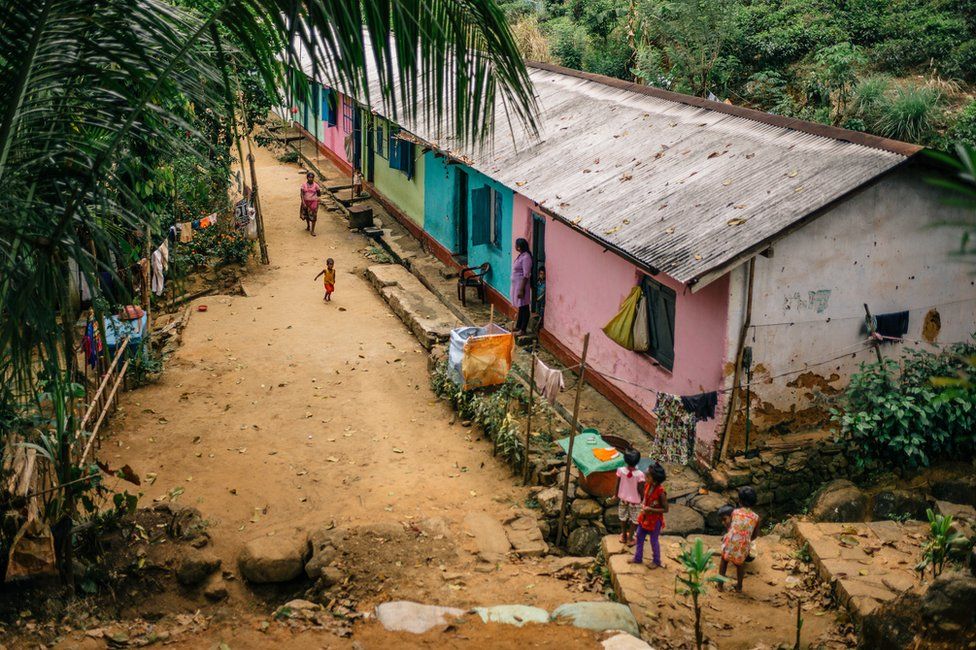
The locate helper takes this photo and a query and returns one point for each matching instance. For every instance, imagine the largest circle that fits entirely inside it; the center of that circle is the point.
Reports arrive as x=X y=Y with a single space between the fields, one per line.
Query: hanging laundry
x=158 y=280
x=91 y=344
x=172 y=233
x=186 y=233
x=642 y=326
x=85 y=288
x=195 y=224
x=674 y=440
x=548 y=381
x=106 y=282
x=620 y=329
x=164 y=253
x=893 y=325
x=702 y=406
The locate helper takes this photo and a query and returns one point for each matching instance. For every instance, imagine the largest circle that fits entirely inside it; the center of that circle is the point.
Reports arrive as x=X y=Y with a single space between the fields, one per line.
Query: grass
x=911 y=113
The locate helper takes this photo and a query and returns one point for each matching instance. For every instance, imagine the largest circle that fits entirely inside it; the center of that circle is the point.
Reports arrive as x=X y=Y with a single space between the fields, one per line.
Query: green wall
x=406 y=195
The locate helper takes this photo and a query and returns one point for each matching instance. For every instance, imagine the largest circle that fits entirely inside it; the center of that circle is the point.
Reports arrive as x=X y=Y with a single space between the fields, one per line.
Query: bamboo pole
x=101 y=388
x=528 y=419
x=572 y=439
x=255 y=197
x=98 y=423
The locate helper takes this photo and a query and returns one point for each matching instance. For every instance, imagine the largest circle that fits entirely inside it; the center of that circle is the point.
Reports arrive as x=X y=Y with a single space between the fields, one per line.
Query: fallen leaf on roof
x=611 y=231
x=793 y=173
x=740 y=206
x=626 y=177
x=659 y=154
x=577 y=220
x=670 y=230
x=663 y=205
x=698 y=257
x=750 y=155
x=626 y=221
x=738 y=221
x=727 y=181
x=799 y=189
x=521 y=183
x=714 y=154
x=587 y=170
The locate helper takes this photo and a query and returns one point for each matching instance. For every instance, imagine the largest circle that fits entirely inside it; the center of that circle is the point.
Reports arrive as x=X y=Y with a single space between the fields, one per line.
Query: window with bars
x=660 y=312
x=486 y=216
x=347 y=113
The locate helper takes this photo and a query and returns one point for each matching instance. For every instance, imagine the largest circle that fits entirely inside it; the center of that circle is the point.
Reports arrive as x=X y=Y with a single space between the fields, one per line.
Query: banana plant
x=696 y=562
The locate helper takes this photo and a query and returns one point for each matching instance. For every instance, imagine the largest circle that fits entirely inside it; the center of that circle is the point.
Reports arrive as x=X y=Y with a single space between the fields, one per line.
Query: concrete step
x=420 y=310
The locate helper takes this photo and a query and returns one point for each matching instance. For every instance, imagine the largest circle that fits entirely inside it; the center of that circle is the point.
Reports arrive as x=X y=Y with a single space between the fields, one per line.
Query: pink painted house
x=756 y=240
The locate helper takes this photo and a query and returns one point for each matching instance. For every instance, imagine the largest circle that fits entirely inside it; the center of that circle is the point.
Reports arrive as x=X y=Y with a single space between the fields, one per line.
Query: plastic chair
x=473 y=276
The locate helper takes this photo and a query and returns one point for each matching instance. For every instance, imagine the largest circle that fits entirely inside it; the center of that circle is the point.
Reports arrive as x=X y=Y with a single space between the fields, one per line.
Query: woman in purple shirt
x=521 y=274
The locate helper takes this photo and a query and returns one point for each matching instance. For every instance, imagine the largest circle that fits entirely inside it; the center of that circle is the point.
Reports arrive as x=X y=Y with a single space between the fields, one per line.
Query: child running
x=743 y=528
x=651 y=519
x=629 y=480
x=329 y=278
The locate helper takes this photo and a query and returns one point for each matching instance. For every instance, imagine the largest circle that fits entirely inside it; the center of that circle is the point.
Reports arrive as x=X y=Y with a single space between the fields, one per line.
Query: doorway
x=538 y=253
x=461 y=215
x=370 y=148
x=357 y=138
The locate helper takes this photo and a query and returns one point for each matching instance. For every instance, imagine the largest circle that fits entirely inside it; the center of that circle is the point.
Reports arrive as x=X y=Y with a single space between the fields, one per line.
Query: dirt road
x=282 y=412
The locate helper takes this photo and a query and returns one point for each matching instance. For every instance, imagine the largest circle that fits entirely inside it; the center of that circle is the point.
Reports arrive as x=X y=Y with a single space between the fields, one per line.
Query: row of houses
x=758 y=241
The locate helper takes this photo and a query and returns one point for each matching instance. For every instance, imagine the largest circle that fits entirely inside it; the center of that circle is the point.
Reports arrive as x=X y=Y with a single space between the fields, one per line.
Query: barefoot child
x=628 y=492
x=310 y=193
x=743 y=528
x=328 y=278
x=651 y=519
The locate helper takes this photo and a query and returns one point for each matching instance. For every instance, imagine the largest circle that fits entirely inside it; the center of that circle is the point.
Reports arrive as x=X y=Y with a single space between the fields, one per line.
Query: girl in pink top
x=310 y=193
x=629 y=480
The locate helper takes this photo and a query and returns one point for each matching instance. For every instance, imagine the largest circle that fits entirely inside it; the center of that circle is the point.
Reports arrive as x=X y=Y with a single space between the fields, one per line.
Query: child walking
x=328 y=278
x=629 y=480
x=651 y=519
x=743 y=528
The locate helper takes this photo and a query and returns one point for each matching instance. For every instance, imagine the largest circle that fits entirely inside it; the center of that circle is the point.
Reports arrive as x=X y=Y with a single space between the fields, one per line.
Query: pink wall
x=333 y=138
x=585 y=285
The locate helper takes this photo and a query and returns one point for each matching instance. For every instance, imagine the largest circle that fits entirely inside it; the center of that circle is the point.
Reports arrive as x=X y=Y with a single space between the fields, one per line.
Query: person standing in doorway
x=310 y=193
x=521 y=276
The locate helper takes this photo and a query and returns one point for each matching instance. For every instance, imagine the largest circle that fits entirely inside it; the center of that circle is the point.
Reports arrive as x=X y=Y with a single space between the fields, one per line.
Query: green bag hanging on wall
x=620 y=329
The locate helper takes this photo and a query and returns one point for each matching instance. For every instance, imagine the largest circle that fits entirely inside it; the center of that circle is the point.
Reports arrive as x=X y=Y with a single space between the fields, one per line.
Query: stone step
x=420 y=310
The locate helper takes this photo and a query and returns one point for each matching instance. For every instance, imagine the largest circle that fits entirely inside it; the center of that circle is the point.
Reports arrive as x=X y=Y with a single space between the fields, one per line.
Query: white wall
x=881 y=246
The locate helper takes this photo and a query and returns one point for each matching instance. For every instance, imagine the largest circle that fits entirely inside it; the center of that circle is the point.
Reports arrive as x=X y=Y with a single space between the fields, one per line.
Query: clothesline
x=857 y=317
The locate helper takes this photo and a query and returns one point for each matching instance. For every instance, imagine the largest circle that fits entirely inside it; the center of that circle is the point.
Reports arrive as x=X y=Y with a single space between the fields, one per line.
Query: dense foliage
x=904 y=416
x=902 y=69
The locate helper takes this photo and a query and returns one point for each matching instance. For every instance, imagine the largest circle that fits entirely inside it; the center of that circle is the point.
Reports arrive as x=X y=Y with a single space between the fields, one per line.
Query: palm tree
x=94 y=93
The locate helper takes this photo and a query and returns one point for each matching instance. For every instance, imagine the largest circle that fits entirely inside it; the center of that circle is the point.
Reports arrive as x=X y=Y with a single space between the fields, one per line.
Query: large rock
x=517 y=615
x=550 y=500
x=891 y=626
x=278 y=558
x=708 y=505
x=624 y=642
x=899 y=504
x=585 y=509
x=322 y=544
x=525 y=537
x=599 y=616
x=949 y=606
x=839 y=501
x=957 y=489
x=195 y=567
x=489 y=535
x=406 y=616
x=681 y=520
x=216 y=589
x=584 y=541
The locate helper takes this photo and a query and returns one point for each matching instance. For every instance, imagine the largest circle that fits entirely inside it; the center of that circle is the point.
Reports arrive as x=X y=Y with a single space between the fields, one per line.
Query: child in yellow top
x=329 y=278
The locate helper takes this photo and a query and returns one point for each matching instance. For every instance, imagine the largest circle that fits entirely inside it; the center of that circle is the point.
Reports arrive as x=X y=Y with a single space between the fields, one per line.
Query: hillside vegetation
x=904 y=69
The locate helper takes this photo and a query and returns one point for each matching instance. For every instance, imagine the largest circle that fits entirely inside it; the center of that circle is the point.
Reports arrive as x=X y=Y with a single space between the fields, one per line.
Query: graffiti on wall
x=816 y=301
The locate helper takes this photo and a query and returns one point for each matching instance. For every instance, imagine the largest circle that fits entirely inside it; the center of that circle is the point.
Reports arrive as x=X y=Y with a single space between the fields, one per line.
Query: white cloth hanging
x=548 y=381
x=164 y=253
x=158 y=280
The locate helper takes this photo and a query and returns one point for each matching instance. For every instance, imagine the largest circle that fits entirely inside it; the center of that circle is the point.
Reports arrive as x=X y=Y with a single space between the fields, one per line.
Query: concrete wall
x=880 y=246
x=585 y=285
x=407 y=195
x=440 y=201
x=500 y=256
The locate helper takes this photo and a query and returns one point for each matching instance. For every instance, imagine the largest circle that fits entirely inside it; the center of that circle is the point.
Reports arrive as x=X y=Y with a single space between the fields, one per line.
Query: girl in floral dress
x=737 y=542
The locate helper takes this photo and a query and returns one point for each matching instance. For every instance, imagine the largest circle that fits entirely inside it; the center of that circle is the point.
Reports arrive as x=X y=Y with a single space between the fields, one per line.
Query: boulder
x=956 y=489
x=324 y=554
x=839 y=501
x=708 y=505
x=899 y=504
x=525 y=537
x=406 y=616
x=331 y=576
x=681 y=520
x=611 y=520
x=489 y=535
x=195 y=567
x=278 y=558
x=557 y=564
x=549 y=501
x=623 y=641
x=584 y=541
x=599 y=616
x=891 y=626
x=947 y=607
x=216 y=589
x=585 y=509
x=517 y=615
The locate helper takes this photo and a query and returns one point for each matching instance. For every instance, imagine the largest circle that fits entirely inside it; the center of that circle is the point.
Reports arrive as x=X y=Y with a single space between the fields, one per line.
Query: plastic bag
x=642 y=327
x=487 y=358
x=620 y=329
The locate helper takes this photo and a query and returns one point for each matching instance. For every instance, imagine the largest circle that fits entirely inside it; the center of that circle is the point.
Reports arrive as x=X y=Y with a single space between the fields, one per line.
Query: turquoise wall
x=440 y=203
x=500 y=256
x=405 y=194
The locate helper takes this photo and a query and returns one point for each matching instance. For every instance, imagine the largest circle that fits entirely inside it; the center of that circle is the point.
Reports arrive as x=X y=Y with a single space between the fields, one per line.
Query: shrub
x=568 y=42
x=964 y=130
x=907 y=420
x=870 y=98
x=912 y=114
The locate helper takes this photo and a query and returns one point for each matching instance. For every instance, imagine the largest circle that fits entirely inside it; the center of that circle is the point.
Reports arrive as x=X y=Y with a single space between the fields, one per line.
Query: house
x=758 y=242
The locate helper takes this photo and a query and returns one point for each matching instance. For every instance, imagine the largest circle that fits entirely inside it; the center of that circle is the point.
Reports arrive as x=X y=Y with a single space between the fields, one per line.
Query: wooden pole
x=491 y=315
x=256 y=198
x=146 y=301
x=871 y=330
x=528 y=419
x=572 y=438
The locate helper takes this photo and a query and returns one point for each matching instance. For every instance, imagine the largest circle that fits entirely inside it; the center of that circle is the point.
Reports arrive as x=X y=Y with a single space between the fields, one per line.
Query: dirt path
x=281 y=412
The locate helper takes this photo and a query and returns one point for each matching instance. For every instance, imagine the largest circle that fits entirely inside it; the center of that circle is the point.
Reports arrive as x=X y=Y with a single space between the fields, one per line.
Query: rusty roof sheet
x=676 y=183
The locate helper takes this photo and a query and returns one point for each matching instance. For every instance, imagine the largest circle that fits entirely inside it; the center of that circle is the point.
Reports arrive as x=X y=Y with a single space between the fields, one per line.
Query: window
x=486 y=216
x=660 y=310
x=380 y=131
x=347 y=109
x=402 y=154
x=329 y=106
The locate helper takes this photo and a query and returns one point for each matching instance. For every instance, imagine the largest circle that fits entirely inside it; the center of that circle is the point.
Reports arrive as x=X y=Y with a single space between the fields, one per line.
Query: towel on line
x=893 y=325
x=702 y=406
x=548 y=381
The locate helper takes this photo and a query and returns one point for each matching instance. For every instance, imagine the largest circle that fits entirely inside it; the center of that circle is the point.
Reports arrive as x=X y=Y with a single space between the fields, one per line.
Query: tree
x=94 y=93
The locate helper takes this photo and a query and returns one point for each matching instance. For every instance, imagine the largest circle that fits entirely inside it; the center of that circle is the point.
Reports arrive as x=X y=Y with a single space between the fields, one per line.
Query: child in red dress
x=651 y=519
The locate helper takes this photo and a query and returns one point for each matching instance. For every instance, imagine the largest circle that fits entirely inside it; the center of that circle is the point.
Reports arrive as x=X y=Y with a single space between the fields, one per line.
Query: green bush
x=895 y=415
x=913 y=114
x=964 y=130
x=568 y=42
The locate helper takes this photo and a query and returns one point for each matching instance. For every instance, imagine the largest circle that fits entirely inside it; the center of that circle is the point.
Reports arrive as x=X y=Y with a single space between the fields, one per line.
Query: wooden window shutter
x=496 y=235
x=481 y=216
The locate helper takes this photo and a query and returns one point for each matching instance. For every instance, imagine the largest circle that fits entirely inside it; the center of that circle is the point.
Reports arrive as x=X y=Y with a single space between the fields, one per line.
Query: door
x=538 y=253
x=357 y=138
x=461 y=214
x=370 y=149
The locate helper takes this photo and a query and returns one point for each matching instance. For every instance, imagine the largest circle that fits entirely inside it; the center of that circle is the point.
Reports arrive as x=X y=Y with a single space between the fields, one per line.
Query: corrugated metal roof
x=683 y=188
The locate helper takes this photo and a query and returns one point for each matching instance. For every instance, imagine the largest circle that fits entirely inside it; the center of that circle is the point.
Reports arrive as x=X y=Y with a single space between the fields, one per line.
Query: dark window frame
x=661 y=303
